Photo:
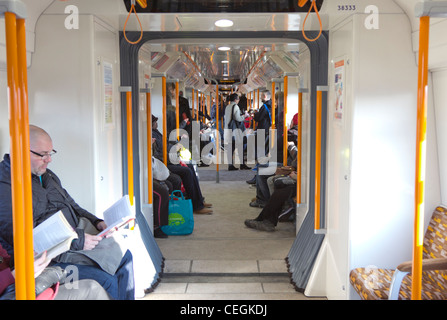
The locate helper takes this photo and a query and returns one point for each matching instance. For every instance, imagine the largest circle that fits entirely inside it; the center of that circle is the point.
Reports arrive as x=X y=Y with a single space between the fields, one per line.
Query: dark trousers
x=161 y=204
x=190 y=182
x=273 y=207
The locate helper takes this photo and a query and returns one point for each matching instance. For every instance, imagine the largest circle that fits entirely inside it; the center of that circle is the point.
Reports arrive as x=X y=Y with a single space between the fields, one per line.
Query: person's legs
x=82 y=290
x=119 y=286
x=190 y=186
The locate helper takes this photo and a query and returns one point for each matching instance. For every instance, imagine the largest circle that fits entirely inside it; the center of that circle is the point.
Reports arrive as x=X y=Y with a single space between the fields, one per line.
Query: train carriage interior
x=364 y=79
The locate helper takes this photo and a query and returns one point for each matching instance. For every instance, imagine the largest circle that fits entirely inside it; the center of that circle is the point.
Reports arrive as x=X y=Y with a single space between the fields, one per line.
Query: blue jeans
x=120 y=286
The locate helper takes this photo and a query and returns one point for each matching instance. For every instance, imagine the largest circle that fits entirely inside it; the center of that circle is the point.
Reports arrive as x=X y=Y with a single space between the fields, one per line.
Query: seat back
x=435 y=240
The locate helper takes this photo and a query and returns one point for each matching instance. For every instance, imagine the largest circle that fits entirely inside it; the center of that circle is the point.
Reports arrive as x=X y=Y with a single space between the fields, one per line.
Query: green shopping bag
x=180 y=220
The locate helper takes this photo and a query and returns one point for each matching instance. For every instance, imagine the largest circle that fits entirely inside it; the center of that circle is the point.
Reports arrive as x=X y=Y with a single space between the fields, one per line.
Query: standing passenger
x=234 y=137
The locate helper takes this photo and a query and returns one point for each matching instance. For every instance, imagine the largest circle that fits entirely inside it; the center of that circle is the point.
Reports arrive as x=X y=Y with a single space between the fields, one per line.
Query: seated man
x=94 y=257
x=268 y=218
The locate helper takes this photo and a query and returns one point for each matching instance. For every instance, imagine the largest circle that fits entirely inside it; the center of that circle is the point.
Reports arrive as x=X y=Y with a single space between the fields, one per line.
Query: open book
x=118 y=215
x=54 y=235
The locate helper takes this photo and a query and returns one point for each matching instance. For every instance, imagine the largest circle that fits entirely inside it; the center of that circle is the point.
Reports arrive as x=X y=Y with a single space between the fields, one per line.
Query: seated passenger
x=268 y=218
x=48 y=283
x=186 y=173
x=161 y=188
x=96 y=258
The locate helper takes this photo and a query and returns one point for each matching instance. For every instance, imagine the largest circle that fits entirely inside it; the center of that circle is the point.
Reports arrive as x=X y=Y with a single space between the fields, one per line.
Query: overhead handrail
x=129 y=139
x=132 y=8
x=301 y=3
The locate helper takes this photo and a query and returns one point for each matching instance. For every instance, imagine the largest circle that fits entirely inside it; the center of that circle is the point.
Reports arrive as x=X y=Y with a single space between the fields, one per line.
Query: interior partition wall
x=307 y=244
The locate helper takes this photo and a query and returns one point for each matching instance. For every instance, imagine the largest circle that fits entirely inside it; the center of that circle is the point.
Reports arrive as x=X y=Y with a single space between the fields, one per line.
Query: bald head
x=37 y=134
x=40 y=143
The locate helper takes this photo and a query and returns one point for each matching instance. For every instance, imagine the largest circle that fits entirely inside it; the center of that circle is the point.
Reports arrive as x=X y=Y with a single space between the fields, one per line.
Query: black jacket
x=48 y=198
x=263 y=117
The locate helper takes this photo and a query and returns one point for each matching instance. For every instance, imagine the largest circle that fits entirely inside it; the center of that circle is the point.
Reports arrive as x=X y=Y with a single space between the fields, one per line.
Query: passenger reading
x=118 y=215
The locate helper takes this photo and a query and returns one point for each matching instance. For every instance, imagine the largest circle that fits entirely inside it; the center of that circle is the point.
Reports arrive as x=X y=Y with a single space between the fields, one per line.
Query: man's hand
x=91 y=241
x=40 y=264
x=101 y=226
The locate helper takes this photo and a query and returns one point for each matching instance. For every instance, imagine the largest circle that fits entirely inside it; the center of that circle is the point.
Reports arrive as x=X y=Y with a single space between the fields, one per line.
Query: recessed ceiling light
x=223 y=23
x=223 y=48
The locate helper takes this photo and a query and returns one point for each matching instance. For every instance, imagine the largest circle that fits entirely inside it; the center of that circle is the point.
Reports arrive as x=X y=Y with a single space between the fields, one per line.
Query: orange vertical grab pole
x=129 y=146
x=420 y=157
x=16 y=157
x=149 y=147
x=284 y=148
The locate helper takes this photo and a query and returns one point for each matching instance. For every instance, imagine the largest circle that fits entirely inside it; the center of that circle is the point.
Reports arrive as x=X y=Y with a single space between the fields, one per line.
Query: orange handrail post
x=424 y=29
x=23 y=265
x=129 y=139
x=165 y=123
x=273 y=127
x=23 y=81
x=193 y=106
x=149 y=145
x=318 y=128
x=177 y=110
x=284 y=148
x=299 y=144
x=217 y=133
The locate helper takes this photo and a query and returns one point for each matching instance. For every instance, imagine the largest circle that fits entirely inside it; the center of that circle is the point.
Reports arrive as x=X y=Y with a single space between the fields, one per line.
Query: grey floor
x=222 y=258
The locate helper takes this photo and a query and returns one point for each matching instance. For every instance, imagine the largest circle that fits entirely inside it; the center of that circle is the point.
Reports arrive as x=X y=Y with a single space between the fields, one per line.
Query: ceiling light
x=223 y=23
x=224 y=48
x=225 y=61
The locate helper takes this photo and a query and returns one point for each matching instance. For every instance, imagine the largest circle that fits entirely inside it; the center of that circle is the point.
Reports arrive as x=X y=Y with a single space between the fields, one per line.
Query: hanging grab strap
x=301 y=3
x=132 y=8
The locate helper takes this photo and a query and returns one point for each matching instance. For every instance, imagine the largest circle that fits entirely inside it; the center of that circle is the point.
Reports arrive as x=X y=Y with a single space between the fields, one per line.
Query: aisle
x=223 y=259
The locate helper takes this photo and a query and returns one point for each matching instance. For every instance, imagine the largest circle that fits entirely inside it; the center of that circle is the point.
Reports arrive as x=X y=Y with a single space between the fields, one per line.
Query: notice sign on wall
x=339 y=74
x=107 y=73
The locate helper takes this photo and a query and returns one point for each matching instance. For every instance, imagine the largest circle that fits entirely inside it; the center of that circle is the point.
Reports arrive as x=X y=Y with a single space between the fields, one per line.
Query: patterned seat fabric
x=374 y=284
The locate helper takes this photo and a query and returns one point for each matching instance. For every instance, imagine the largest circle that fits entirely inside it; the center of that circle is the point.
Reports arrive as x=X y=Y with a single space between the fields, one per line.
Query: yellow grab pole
x=217 y=129
x=197 y=100
x=23 y=81
x=273 y=127
x=284 y=148
x=177 y=110
x=193 y=106
x=129 y=144
x=318 y=129
x=299 y=144
x=16 y=132
x=420 y=157
x=149 y=146
x=165 y=123
x=318 y=162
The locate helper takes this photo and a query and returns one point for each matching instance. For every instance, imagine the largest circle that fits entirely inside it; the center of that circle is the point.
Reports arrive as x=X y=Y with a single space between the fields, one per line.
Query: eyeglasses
x=44 y=156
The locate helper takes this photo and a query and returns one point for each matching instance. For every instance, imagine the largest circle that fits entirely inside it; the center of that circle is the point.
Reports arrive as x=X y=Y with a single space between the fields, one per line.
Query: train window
x=202 y=6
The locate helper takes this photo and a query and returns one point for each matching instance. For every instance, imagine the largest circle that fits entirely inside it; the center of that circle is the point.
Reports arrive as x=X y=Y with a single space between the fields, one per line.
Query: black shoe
x=232 y=168
x=285 y=215
x=244 y=167
x=257 y=204
x=252 y=180
x=158 y=233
